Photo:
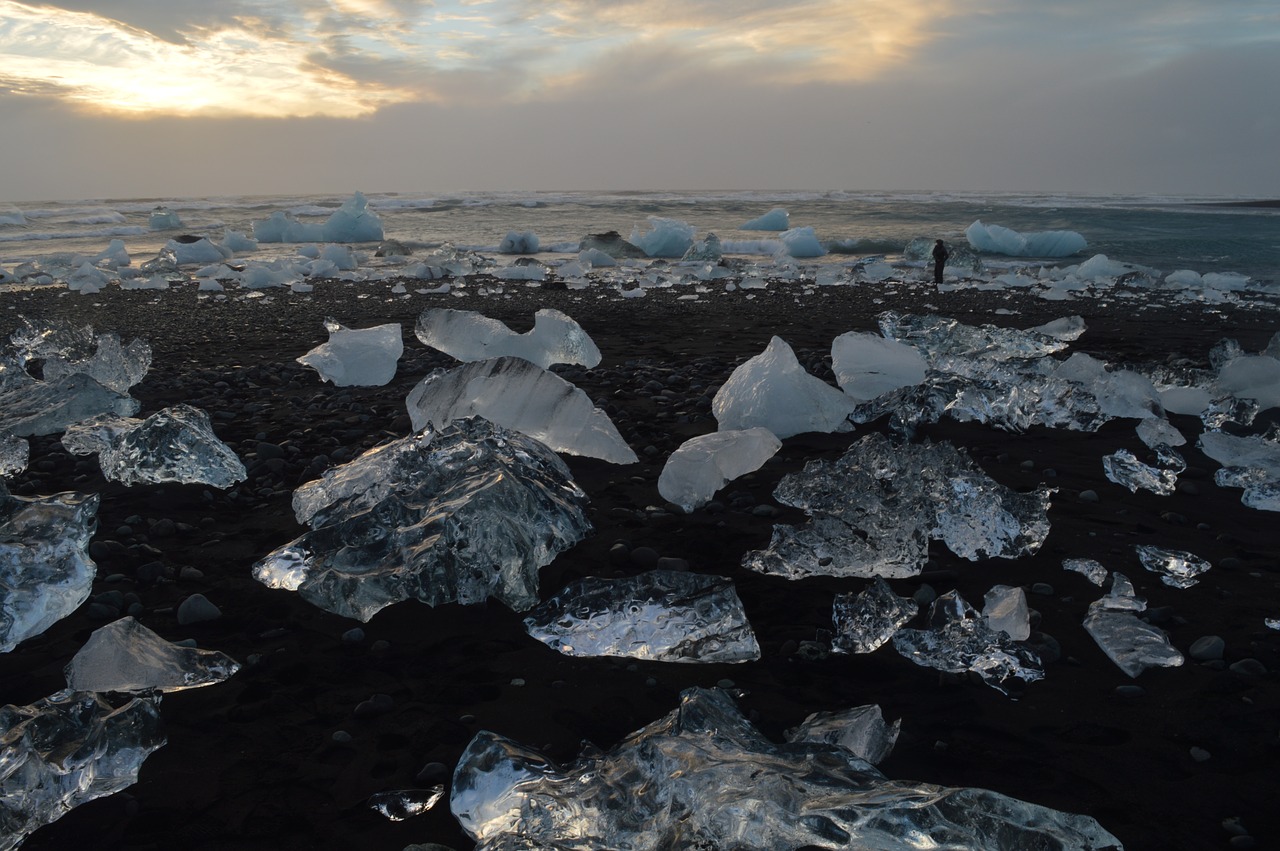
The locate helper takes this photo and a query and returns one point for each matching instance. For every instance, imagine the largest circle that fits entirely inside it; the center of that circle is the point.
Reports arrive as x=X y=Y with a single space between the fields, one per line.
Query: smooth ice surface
x=867 y=620
x=1176 y=568
x=519 y=395
x=1001 y=240
x=1157 y=432
x=1124 y=468
x=1092 y=570
x=861 y=730
x=470 y=336
x=801 y=242
x=773 y=391
x=461 y=515
x=176 y=444
x=357 y=357
x=1254 y=377
x=661 y=615
x=704 y=464
x=868 y=366
x=14 y=453
x=1004 y=608
x=67 y=749
x=704 y=777
x=126 y=656
x=45 y=569
x=1133 y=644
x=776 y=219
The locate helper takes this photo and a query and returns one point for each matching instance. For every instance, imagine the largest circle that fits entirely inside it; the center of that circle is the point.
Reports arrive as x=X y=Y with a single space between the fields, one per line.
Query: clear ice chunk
x=939 y=338
x=704 y=464
x=461 y=515
x=1004 y=608
x=64 y=349
x=31 y=408
x=45 y=569
x=661 y=615
x=704 y=777
x=1176 y=568
x=868 y=366
x=67 y=749
x=126 y=656
x=1124 y=468
x=773 y=391
x=15 y=453
x=1133 y=644
x=176 y=444
x=519 y=395
x=405 y=803
x=1154 y=432
x=357 y=357
x=1091 y=569
x=470 y=336
x=865 y=621
x=861 y=730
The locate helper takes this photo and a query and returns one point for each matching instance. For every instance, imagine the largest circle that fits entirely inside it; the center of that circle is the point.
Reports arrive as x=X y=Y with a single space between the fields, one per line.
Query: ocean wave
x=124 y=230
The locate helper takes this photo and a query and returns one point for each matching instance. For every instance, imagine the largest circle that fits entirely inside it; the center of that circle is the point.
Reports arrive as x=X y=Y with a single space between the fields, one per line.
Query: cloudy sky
x=159 y=98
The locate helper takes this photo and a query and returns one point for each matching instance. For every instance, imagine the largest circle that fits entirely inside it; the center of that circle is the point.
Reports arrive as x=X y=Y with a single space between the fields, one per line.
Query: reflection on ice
x=865 y=621
x=357 y=357
x=1124 y=468
x=405 y=803
x=704 y=464
x=126 y=656
x=861 y=730
x=470 y=336
x=1176 y=568
x=1133 y=644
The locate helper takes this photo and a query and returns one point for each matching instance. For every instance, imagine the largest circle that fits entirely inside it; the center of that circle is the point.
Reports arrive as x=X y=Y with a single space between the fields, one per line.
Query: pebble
x=1200 y=754
x=1234 y=826
x=1242 y=842
x=619 y=553
x=1043 y=589
x=196 y=609
x=1088 y=496
x=1248 y=668
x=1028 y=465
x=725 y=683
x=764 y=510
x=341 y=736
x=517 y=681
x=1130 y=691
x=925 y=595
x=672 y=563
x=380 y=646
x=645 y=557
x=378 y=704
x=191 y=574
x=432 y=773
x=1207 y=648
x=355 y=635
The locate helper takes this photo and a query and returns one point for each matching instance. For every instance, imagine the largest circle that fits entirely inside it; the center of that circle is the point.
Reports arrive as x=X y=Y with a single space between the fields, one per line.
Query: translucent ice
x=1002 y=240
x=704 y=464
x=45 y=569
x=704 y=777
x=353 y=222
x=1159 y=432
x=1253 y=451
x=126 y=656
x=1092 y=570
x=1254 y=377
x=67 y=749
x=457 y=516
x=707 y=249
x=776 y=219
x=865 y=621
x=470 y=336
x=1133 y=644
x=1004 y=608
x=868 y=365
x=801 y=242
x=661 y=615
x=405 y=803
x=1124 y=468
x=861 y=730
x=14 y=453
x=357 y=357
x=773 y=390
x=664 y=238
x=64 y=349
x=1175 y=567
x=162 y=218
x=176 y=444
x=519 y=395
x=34 y=407
x=519 y=242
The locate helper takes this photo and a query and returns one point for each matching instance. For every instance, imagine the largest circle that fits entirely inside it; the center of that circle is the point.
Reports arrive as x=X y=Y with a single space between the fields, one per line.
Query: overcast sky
x=170 y=98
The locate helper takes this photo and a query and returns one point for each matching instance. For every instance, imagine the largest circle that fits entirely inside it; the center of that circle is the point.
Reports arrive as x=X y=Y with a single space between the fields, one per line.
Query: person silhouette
x=940 y=255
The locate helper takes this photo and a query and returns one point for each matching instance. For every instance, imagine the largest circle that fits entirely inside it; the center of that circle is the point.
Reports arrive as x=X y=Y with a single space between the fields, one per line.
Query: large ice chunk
x=32 y=408
x=176 y=444
x=67 y=749
x=664 y=238
x=776 y=219
x=126 y=656
x=1133 y=644
x=45 y=569
x=861 y=730
x=1001 y=240
x=461 y=515
x=868 y=366
x=357 y=357
x=519 y=395
x=704 y=777
x=773 y=390
x=704 y=464
x=865 y=621
x=353 y=222
x=1254 y=377
x=470 y=336
x=661 y=615
x=1251 y=462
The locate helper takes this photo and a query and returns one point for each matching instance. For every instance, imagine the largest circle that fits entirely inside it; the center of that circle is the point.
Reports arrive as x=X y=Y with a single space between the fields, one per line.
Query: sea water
x=1161 y=232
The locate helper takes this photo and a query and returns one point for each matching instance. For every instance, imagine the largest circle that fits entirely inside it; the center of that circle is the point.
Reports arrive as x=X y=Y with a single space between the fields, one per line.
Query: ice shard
x=31 y=408
x=959 y=640
x=868 y=366
x=63 y=349
x=1004 y=608
x=1176 y=568
x=14 y=453
x=357 y=357
x=176 y=444
x=1133 y=644
x=704 y=777
x=704 y=464
x=519 y=395
x=865 y=621
x=67 y=749
x=661 y=615
x=861 y=730
x=405 y=803
x=126 y=656
x=1250 y=462
x=1124 y=468
x=470 y=336
x=1092 y=570
x=940 y=338
x=1158 y=432
x=45 y=569
x=460 y=515
x=773 y=391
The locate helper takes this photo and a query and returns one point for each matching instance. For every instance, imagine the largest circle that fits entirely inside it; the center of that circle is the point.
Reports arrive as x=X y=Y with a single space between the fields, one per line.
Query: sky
x=176 y=98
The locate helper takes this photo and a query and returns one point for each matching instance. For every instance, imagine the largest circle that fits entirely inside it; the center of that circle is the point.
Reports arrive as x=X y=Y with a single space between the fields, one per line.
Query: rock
x=1207 y=648
x=1088 y=496
x=1248 y=668
x=196 y=609
x=645 y=557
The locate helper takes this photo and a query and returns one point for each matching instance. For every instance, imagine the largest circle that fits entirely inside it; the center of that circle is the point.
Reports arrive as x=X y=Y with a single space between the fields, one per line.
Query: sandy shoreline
x=252 y=763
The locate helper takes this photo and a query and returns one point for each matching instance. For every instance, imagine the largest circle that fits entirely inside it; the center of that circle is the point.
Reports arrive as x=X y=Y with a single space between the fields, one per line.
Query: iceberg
x=801 y=243
x=284 y=227
x=866 y=621
x=353 y=222
x=459 y=515
x=470 y=336
x=188 y=251
x=661 y=615
x=772 y=390
x=357 y=357
x=868 y=366
x=125 y=656
x=704 y=777
x=519 y=242
x=861 y=730
x=162 y=218
x=1133 y=644
x=776 y=219
x=704 y=464
x=707 y=250
x=664 y=238
x=519 y=395
x=995 y=239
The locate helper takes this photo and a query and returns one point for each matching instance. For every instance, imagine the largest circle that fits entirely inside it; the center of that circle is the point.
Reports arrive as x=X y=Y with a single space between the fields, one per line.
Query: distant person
x=940 y=255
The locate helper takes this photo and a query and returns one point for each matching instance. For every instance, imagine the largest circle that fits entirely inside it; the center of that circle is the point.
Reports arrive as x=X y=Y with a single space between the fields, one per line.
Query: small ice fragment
x=861 y=730
x=1005 y=610
x=126 y=656
x=357 y=357
x=1154 y=432
x=1123 y=468
x=865 y=621
x=1133 y=644
x=702 y=465
x=470 y=336
x=1092 y=570
x=1176 y=568
x=405 y=803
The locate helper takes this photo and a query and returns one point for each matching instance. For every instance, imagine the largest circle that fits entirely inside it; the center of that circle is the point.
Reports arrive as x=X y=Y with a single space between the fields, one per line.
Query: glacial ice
x=470 y=336
x=34 y=408
x=162 y=218
x=357 y=357
x=1092 y=570
x=1004 y=608
x=705 y=250
x=661 y=615
x=45 y=569
x=67 y=749
x=1001 y=240
x=1133 y=644
x=519 y=242
x=704 y=777
x=773 y=390
x=664 y=238
x=867 y=620
x=1175 y=568
x=459 y=515
x=126 y=656
x=1254 y=377
x=193 y=252
x=860 y=730
x=352 y=222
x=65 y=350
x=801 y=243
x=405 y=803
x=1124 y=468
x=14 y=454
x=704 y=464
x=776 y=219
x=519 y=395
x=176 y=444
x=1154 y=431
x=868 y=366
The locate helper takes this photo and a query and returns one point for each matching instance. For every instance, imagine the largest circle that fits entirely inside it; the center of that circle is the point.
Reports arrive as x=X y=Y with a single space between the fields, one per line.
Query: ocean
x=1204 y=235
